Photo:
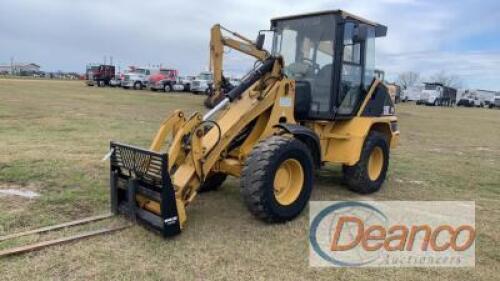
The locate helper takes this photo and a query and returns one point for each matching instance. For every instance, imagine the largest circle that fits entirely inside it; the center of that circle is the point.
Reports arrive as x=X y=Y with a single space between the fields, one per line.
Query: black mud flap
x=139 y=172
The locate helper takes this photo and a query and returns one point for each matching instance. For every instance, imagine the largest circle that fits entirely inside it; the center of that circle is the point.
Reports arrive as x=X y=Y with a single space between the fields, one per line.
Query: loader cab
x=331 y=56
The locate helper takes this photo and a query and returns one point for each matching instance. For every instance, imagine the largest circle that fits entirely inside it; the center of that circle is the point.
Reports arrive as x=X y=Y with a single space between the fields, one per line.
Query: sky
x=459 y=37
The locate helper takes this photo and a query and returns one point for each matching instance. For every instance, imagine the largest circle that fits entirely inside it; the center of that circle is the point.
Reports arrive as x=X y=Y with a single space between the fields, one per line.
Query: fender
x=307 y=136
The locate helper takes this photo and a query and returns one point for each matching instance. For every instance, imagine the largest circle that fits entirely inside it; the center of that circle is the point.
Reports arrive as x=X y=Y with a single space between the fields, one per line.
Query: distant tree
x=408 y=79
x=446 y=79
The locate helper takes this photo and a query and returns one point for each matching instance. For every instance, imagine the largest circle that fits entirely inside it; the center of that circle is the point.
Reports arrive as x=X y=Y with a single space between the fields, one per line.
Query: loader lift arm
x=235 y=41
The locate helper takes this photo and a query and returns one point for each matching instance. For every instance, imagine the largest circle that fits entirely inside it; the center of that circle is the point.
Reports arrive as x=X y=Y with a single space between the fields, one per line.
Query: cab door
x=356 y=68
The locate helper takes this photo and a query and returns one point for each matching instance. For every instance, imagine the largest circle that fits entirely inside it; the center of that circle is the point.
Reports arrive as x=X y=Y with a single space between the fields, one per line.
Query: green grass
x=53 y=135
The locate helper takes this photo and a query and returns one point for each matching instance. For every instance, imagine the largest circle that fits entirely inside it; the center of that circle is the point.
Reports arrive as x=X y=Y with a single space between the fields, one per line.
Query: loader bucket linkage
x=141 y=188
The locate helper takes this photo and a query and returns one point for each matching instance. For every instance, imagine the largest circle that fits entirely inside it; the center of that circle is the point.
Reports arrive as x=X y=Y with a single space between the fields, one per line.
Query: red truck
x=99 y=75
x=163 y=80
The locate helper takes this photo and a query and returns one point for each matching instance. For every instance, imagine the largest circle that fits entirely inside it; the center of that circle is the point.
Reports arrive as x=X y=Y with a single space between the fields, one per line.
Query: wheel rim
x=375 y=163
x=288 y=181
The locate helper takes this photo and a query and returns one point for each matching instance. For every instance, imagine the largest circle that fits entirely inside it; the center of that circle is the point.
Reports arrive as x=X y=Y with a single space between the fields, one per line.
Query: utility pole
x=110 y=60
x=11 y=65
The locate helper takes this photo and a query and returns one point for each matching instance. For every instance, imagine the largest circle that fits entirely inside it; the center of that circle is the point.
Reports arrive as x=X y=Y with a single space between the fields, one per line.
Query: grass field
x=53 y=135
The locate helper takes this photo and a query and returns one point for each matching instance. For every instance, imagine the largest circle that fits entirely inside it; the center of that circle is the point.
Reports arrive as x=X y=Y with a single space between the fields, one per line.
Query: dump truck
x=437 y=94
x=313 y=100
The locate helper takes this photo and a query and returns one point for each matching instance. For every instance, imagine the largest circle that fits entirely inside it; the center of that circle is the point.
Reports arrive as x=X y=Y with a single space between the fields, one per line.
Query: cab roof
x=380 y=30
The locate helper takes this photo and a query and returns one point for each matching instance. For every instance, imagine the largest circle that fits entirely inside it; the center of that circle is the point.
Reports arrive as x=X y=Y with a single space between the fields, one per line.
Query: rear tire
x=213 y=182
x=368 y=175
x=277 y=179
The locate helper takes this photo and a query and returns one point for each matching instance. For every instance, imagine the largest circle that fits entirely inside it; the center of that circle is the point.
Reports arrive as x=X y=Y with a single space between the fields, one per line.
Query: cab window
x=307 y=47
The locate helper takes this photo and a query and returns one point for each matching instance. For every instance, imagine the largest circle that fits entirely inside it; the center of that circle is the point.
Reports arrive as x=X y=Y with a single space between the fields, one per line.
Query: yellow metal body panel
x=343 y=142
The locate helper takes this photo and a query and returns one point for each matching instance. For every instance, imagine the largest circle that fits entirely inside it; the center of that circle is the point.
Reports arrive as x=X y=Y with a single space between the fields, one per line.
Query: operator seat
x=322 y=89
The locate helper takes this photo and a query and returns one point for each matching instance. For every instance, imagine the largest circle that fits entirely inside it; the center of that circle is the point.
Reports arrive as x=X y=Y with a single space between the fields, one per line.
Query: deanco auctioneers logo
x=392 y=233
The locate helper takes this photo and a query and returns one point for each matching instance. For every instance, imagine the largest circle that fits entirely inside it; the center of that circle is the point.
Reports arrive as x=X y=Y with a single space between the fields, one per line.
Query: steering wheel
x=313 y=64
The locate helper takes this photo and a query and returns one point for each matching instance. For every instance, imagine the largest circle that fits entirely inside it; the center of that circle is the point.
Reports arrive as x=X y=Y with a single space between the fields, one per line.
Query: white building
x=19 y=68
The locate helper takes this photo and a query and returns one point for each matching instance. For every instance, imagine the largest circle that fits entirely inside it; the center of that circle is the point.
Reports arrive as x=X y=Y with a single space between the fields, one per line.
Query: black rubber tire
x=356 y=177
x=137 y=87
x=257 y=179
x=167 y=88
x=213 y=182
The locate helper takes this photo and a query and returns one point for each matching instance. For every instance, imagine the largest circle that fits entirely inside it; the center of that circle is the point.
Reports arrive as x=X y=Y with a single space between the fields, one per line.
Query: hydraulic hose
x=235 y=93
x=255 y=75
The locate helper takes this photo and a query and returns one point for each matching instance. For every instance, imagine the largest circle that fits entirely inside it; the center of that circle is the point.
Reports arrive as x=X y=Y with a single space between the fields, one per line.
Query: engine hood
x=157 y=77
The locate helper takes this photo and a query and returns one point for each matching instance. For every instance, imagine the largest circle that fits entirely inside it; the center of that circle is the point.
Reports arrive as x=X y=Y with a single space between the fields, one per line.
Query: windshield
x=430 y=87
x=139 y=71
x=307 y=47
x=204 y=76
x=166 y=71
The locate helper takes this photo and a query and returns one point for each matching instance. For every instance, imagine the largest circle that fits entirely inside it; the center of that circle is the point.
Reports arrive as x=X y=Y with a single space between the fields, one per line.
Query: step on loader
x=311 y=100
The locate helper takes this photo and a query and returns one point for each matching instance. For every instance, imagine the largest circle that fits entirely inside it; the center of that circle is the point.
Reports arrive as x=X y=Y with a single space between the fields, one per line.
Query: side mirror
x=259 y=43
x=360 y=33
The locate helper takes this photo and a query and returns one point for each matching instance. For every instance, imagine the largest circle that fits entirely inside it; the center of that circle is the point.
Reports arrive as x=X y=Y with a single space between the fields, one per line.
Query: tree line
x=410 y=78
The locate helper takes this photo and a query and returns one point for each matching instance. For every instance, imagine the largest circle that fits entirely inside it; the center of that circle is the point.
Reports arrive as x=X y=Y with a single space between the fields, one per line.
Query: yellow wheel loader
x=313 y=100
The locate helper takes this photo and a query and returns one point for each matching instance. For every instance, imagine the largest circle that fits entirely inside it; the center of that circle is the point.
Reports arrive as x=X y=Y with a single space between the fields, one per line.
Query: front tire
x=368 y=175
x=167 y=88
x=277 y=179
x=137 y=86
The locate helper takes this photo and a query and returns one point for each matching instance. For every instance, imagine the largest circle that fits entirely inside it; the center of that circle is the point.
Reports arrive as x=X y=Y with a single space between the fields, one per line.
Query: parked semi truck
x=186 y=81
x=99 y=74
x=164 y=80
x=138 y=77
x=438 y=94
x=202 y=83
